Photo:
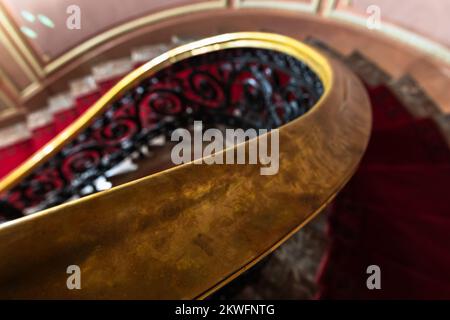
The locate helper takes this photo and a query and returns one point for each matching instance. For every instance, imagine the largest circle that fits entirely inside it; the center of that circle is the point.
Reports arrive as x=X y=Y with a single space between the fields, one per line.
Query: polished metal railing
x=186 y=231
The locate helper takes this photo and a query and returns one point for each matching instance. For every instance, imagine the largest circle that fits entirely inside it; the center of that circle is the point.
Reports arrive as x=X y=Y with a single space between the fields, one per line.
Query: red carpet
x=394 y=213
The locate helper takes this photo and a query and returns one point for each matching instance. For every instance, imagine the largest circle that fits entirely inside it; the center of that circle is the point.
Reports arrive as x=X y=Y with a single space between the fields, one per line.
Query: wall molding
x=311 y=7
x=34 y=67
x=23 y=46
x=130 y=26
x=37 y=70
x=11 y=86
x=17 y=57
x=391 y=31
x=7 y=106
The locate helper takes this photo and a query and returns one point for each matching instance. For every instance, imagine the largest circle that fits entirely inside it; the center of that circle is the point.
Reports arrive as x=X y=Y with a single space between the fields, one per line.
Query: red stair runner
x=394 y=212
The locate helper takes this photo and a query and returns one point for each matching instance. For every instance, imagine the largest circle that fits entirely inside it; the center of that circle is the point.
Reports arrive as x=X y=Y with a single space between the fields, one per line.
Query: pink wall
x=429 y=18
x=96 y=17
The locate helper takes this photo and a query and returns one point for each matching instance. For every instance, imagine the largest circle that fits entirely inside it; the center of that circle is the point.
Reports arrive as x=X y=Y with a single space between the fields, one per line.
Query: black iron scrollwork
x=246 y=88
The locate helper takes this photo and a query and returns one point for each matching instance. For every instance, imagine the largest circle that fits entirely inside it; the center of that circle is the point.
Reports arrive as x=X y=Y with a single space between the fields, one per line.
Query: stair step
x=434 y=79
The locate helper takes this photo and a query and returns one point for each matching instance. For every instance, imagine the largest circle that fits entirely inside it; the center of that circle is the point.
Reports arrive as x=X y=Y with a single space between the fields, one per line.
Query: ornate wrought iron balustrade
x=243 y=87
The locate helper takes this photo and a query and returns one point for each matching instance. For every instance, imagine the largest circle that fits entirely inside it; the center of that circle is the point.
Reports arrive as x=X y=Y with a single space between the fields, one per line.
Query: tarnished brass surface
x=232 y=40
x=184 y=232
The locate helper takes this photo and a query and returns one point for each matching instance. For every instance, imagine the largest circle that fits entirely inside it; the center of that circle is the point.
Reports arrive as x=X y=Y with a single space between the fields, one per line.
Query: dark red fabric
x=394 y=213
x=13 y=155
x=84 y=102
x=105 y=85
x=416 y=142
x=64 y=118
x=387 y=111
x=42 y=135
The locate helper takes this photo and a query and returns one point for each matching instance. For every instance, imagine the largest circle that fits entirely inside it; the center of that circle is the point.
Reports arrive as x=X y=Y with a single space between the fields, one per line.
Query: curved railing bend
x=186 y=231
x=107 y=134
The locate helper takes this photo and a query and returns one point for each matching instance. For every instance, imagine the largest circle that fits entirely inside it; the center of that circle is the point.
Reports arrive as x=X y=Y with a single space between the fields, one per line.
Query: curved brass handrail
x=187 y=231
x=234 y=40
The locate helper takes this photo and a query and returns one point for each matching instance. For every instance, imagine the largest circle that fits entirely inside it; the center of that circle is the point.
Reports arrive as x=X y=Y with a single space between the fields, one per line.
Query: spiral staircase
x=98 y=191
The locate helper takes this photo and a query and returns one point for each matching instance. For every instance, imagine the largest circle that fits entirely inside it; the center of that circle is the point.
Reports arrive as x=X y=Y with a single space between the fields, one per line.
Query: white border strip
x=311 y=7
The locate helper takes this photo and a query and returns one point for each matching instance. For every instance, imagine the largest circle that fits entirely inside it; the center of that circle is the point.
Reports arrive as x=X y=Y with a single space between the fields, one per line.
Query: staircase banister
x=233 y=40
x=184 y=232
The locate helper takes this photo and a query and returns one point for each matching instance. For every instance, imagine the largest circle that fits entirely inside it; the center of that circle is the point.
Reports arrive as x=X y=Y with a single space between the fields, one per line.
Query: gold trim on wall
x=30 y=90
x=311 y=7
x=389 y=30
x=11 y=45
x=17 y=56
x=31 y=57
x=11 y=86
x=29 y=61
x=34 y=67
x=7 y=102
x=128 y=27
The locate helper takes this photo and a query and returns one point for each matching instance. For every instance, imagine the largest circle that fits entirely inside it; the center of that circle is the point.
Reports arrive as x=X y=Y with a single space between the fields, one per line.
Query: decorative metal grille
x=245 y=88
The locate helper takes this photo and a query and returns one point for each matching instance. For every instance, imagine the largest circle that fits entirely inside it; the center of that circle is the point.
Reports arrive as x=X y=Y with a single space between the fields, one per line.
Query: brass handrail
x=234 y=40
x=187 y=231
